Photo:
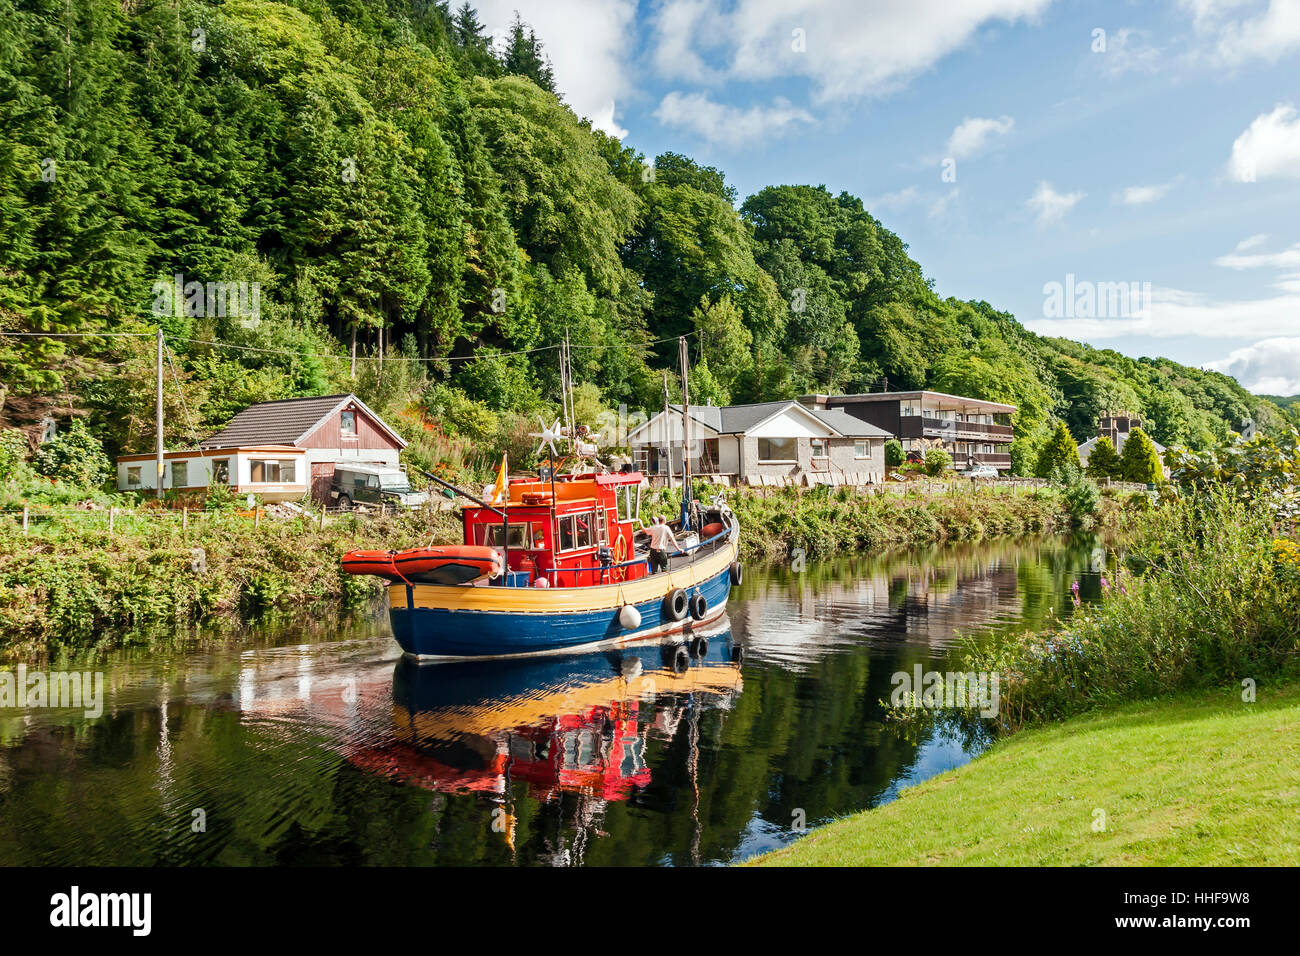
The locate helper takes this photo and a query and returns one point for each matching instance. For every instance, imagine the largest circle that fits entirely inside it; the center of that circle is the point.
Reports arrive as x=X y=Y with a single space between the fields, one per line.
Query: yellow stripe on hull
x=551 y=600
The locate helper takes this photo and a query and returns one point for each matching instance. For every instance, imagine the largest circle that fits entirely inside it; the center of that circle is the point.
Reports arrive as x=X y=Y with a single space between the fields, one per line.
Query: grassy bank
x=1198 y=779
x=75 y=584
x=1206 y=594
x=826 y=521
x=72 y=583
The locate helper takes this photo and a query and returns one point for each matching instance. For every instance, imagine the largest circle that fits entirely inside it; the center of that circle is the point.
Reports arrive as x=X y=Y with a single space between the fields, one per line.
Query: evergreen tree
x=1104 y=462
x=1139 y=461
x=474 y=43
x=1060 y=455
x=524 y=56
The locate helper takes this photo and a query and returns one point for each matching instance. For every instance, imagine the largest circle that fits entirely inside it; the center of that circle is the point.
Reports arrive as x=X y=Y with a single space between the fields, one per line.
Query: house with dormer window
x=277 y=450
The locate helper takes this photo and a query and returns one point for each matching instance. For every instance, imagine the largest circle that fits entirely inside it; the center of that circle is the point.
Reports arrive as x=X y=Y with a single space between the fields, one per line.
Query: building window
x=180 y=474
x=261 y=471
x=818 y=447
x=348 y=424
x=778 y=450
x=221 y=471
x=133 y=476
x=862 y=449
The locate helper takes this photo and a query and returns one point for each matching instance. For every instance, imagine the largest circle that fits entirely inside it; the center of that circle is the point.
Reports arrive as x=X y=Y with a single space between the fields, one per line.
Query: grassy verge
x=1198 y=779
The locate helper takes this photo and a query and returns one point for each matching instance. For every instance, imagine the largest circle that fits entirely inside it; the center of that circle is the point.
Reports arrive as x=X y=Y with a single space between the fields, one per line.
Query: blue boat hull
x=434 y=623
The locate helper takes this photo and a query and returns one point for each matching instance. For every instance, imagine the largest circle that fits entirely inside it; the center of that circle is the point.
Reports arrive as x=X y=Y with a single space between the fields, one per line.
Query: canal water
x=322 y=746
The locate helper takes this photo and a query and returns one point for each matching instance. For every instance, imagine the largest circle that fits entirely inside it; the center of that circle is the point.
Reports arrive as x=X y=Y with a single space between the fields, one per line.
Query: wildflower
x=1105 y=584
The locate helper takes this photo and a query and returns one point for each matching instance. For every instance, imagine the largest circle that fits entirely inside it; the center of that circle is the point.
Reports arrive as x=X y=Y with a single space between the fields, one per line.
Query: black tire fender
x=699 y=606
x=675 y=605
x=737 y=574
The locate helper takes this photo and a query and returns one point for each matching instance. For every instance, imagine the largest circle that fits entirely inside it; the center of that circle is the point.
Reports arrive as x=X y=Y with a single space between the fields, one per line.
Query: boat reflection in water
x=573 y=724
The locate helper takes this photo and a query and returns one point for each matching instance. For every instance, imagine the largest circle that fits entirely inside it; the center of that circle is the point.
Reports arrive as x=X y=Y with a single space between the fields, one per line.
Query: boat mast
x=668 y=442
x=684 y=356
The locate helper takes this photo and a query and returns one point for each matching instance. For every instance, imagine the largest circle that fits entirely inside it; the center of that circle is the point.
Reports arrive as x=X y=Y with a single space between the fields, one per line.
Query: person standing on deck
x=660 y=536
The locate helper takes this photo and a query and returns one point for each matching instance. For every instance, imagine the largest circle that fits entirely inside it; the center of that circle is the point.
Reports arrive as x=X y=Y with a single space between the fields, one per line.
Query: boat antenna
x=684 y=354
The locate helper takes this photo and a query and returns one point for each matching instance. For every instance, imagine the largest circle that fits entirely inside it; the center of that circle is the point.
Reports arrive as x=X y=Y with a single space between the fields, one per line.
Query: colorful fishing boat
x=559 y=565
x=561 y=562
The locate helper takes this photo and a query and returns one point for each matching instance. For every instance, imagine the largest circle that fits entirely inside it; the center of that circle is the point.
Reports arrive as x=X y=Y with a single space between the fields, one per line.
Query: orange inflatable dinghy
x=447 y=564
x=379 y=563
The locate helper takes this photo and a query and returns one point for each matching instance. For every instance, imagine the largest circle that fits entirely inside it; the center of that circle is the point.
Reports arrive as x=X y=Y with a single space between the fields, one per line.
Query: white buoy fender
x=629 y=617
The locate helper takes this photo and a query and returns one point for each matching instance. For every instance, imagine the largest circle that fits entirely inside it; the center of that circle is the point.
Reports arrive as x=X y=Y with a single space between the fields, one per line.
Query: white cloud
x=846 y=48
x=1138 y=195
x=899 y=199
x=1269 y=367
x=725 y=124
x=1127 y=50
x=1266 y=31
x=1269 y=147
x=589 y=43
x=1174 y=312
x=1049 y=206
x=1242 y=258
x=939 y=207
x=1251 y=242
x=973 y=133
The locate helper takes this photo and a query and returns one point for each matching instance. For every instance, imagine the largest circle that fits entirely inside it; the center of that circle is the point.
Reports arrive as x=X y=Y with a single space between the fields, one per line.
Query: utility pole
x=158 y=417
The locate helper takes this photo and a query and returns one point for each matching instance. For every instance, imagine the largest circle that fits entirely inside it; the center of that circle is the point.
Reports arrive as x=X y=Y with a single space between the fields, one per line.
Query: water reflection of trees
x=267 y=741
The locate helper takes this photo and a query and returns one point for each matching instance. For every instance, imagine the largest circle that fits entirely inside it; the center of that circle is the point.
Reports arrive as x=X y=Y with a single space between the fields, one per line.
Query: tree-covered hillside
x=397 y=188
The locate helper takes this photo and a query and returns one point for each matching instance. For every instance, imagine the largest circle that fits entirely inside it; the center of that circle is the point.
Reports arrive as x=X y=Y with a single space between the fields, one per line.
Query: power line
x=79 y=335
x=346 y=358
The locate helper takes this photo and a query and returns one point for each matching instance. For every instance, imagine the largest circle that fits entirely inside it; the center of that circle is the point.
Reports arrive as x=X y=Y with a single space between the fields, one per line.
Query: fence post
x=112 y=514
x=322 y=517
x=24 y=520
x=257 y=515
x=185 y=519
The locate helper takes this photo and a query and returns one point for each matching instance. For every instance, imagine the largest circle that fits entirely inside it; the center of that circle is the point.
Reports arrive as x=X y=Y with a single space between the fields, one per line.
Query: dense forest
x=416 y=216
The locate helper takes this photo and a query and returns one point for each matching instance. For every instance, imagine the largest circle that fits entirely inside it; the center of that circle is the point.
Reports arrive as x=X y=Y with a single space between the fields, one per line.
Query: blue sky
x=1164 y=152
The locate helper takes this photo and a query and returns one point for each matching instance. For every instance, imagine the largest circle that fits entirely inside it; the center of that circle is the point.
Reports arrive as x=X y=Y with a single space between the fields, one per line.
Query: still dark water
x=324 y=747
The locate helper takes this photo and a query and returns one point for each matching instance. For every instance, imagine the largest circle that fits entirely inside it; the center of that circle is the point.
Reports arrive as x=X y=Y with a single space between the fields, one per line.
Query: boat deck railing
x=603 y=569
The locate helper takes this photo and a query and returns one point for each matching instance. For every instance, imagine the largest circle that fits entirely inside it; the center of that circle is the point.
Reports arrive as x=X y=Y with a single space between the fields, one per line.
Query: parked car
x=980 y=471
x=382 y=486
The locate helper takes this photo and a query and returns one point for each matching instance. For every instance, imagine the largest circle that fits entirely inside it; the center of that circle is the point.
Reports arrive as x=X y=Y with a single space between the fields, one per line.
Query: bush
x=894 y=454
x=74 y=456
x=937 y=461
x=13 y=451
x=1082 y=499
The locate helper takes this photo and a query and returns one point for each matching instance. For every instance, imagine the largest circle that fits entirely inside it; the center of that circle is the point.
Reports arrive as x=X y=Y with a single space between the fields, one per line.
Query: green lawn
x=1196 y=780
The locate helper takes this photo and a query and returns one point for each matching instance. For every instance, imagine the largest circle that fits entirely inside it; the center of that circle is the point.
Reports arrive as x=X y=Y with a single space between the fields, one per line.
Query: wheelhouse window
x=221 y=471
x=819 y=448
x=629 y=502
x=862 y=449
x=348 y=424
x=133 y=476
x=490 y=535
x=267 y=471
x=586 y=530
x=180 y=474
x=568 y=532
x=778 y=449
